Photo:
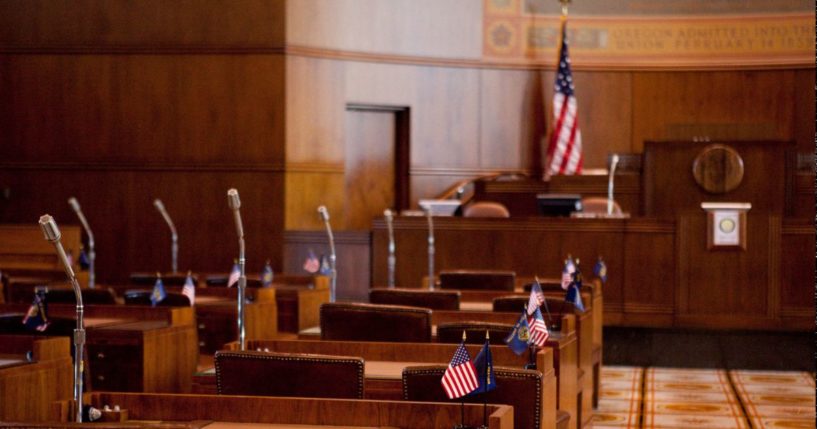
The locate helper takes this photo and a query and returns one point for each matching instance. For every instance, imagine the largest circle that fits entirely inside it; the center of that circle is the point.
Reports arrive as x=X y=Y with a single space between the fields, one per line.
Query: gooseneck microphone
x=392 y=260
x=610 y=200
x=427 y=211
x=332 y=255
x=235 y=204
x=174 y=247
x=52 y=234
x=91 y=252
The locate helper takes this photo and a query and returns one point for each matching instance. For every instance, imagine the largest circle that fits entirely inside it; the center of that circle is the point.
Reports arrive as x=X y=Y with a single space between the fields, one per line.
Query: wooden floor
x=665 y=398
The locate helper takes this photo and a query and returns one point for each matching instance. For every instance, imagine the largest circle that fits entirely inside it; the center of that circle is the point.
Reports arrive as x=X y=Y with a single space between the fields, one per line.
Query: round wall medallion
x=718 y=169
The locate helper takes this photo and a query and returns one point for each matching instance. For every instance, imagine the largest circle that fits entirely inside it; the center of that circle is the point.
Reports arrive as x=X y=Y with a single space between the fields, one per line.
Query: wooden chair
x=221 y=281
x=520 y=388
x=486 y=209
x=168 y=279
x=477 y=279
x=142 y=297
x=474 y=332
x=63 y=295
x=374 y=322
x=286 y=374
x=12 y=323
x=433 y=299
x=598 y=205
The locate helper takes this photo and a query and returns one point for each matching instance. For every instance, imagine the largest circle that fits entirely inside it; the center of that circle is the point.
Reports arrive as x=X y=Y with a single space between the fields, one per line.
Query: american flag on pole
x=235 y=274
x=537 y=297
x=460 y=378
x=189 y=289
x=537 y=328
x=564 y=151
x=567 y=273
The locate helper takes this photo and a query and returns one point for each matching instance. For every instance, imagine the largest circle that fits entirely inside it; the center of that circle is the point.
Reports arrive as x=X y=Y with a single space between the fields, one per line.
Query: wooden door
x=371 y=164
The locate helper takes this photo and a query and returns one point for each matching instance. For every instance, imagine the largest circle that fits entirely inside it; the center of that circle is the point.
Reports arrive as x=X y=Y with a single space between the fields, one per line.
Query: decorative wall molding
x=152 y=166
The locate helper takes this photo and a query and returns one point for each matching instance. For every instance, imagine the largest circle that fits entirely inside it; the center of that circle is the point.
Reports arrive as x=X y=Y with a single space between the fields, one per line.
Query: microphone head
x=74 y=204
x=159 y=205
x=324 y=213
x=387 y=214
x=49 y=227
x=232 y=199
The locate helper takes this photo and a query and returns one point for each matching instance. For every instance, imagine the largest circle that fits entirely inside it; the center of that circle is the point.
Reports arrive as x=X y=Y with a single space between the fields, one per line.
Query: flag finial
x=564 y=3
x=463 y=335
x=487 y=337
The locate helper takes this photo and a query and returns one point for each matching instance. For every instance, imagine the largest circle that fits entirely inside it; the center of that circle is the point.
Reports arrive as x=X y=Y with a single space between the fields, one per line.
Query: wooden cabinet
x=142 y=357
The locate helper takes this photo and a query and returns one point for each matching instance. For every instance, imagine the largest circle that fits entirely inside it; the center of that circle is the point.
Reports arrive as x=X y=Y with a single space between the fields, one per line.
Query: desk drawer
x=113 y=367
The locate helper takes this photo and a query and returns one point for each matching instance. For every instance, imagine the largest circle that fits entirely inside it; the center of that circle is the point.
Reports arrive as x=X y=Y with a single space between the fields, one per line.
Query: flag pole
x=547 y=310
x=462 y=398
x=487 y=381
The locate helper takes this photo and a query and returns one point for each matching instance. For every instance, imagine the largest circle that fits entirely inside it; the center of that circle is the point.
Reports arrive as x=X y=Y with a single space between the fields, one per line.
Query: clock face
x=726 y=225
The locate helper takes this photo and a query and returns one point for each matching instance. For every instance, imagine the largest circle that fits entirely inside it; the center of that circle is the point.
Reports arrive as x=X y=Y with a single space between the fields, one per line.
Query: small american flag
x=189 y=289
x=537 y=297
x=565 y=147
x=567 y=273
x=235 y=274
x=460 y=378
x=312 y=264
x=537 y=328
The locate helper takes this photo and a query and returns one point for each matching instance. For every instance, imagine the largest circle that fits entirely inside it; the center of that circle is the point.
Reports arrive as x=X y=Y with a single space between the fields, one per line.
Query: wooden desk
x=660 y=271
x=299 y=307
x=27 y=389
x=291 y=411
x=134 y=348
x=585 y=330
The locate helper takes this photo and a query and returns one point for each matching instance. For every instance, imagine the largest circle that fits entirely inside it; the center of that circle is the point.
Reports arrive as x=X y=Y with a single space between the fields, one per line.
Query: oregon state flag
x=519 y=337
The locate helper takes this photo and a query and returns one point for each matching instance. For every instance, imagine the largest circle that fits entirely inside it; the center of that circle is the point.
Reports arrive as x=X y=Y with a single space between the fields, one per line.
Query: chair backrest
x=221 y=280
x=89 y=296
x=375 y=322
x=556 y=307
x=142 y=297
x=168 y=279
x=598 y=205
x=485 y=209
x=477 y=279
x=433 y=299
x=474 y=332
x=521 y=388
x=12 y=323
x=287 y=374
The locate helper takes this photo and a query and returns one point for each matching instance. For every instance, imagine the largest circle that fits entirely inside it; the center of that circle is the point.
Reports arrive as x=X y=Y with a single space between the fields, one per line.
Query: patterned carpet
x=672 y=398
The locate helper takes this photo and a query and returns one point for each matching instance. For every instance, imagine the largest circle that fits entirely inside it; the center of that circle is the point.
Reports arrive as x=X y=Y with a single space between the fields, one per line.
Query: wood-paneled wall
x=118 y=103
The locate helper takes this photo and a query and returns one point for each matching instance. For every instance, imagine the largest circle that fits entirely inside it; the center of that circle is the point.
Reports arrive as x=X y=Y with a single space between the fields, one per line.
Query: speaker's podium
x=720 y=235
x=732 y=201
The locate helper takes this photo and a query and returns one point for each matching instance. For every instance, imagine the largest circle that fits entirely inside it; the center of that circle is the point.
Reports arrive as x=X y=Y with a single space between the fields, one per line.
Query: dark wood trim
x=319 y=237
x=459 y=171
x=775 y=253
x=131 y=166
x=783 y=63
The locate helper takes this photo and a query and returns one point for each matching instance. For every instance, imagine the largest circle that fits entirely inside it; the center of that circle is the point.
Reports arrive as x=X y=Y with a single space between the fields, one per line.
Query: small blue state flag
x=484 y=366
x=158 y=294
x=600 y=270
x=573 y=295
x=519 y=337
x=266 y=275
